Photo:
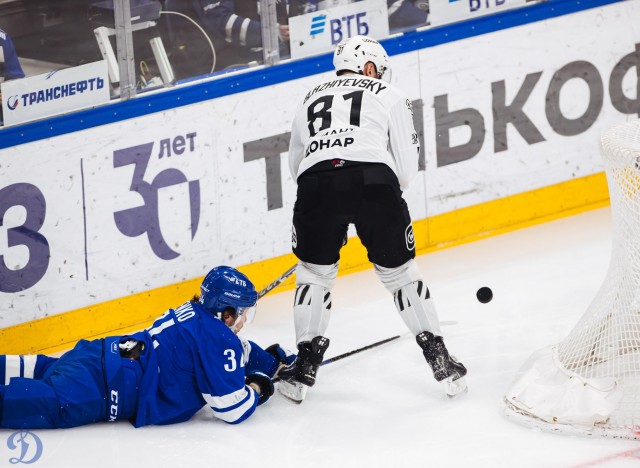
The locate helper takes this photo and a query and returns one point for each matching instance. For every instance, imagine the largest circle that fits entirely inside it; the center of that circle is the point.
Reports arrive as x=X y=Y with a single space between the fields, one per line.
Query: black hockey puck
x=484 y=294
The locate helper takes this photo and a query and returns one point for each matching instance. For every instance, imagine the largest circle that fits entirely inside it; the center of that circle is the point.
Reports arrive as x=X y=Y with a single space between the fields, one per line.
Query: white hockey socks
x=17 y=366
x=417 y=309
x=311 y=311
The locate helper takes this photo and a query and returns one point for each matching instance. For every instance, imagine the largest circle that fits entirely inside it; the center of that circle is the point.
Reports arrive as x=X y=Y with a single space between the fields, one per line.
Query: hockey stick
x=359 y=350
x=279 y=280
x=351 y=353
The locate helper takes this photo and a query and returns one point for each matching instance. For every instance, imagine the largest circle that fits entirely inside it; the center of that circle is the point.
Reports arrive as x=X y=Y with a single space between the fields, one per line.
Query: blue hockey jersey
x=10 y=68
x=192 y=359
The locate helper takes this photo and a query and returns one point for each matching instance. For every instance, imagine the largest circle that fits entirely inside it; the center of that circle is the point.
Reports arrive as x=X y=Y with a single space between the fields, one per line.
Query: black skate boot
x=445 y=367
x=299 y=376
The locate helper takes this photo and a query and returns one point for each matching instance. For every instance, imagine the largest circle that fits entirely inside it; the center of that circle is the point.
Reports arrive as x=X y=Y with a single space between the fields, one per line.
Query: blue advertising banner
x=318 y=32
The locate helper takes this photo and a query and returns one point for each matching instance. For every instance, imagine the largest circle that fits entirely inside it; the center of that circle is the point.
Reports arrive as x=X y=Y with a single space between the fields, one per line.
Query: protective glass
x=247 y=314
x=243 y=316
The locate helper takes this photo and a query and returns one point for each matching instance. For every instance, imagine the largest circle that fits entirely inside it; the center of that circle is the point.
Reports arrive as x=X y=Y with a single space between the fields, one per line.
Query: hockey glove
x=262 y=384
x=283 y=356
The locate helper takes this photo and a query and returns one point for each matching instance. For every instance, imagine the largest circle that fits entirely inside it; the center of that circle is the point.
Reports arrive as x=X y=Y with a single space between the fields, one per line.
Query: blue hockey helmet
x=224 y=287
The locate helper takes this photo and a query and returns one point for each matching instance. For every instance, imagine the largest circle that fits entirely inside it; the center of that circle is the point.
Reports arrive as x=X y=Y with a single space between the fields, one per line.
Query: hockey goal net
x=590 y=382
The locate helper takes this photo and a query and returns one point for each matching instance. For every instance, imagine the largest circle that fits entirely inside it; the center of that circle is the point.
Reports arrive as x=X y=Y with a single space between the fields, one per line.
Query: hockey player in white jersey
x=353 y=151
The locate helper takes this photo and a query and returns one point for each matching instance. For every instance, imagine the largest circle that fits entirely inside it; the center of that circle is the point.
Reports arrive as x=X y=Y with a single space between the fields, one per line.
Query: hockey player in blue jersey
x=190 y=357
x=10 y=68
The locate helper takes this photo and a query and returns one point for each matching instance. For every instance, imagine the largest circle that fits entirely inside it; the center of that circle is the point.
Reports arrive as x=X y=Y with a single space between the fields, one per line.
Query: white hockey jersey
x=355 y=118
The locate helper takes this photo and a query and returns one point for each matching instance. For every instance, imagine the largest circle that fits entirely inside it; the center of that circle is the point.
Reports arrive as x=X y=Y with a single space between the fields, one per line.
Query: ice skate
x=299 y=376
x=446 y=368
x=294 y=391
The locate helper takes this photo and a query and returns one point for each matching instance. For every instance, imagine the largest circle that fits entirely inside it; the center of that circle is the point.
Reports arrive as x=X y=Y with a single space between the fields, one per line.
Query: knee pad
x=397 y=277
x=321 y=275
x=311 y=311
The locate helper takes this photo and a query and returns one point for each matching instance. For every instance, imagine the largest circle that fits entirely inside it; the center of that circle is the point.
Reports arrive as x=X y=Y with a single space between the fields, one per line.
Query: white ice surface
x=381 y=407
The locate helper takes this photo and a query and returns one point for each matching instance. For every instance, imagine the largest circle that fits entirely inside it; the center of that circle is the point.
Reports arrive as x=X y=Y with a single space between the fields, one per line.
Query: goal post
x=589 y=383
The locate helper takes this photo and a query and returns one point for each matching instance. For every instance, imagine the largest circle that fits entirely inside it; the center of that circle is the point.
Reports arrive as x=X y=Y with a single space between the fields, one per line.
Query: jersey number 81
x=321 y=109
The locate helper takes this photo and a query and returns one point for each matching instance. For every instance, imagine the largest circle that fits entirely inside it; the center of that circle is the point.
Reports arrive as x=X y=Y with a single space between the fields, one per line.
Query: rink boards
x=104 y=227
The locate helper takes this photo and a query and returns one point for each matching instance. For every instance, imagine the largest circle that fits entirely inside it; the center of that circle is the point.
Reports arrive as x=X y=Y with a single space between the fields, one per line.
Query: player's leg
x=79 y=379
x=320 y=222
x=311 y=312
x=72 y=393
x=28 y=366
x=28 y=403
x=417 y=309
x=384 y=226
x=411 y=296
x=27 y=398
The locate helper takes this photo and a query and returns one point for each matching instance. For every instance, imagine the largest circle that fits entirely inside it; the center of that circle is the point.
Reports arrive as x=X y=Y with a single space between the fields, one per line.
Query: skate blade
x=453 y=388
x=295 y=392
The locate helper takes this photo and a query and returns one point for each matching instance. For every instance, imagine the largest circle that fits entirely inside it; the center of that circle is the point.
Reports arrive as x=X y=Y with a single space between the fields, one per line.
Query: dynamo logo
x=13 y=102
x=317 y=24
x=27 y=444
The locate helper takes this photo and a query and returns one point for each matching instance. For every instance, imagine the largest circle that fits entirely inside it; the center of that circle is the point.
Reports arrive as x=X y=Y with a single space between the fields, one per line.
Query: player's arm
x=267 y=361
x=238 y=30
x=296 y=147
x=262 y=365
x=222 y=381
x=404 y=143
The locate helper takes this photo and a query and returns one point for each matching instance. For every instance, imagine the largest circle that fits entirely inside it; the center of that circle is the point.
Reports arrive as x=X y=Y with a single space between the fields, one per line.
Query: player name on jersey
x=375 y=86
x=316 y=145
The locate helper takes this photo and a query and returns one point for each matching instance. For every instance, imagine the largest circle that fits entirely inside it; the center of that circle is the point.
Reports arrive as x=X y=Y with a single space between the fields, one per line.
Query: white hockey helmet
x=354 y=52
